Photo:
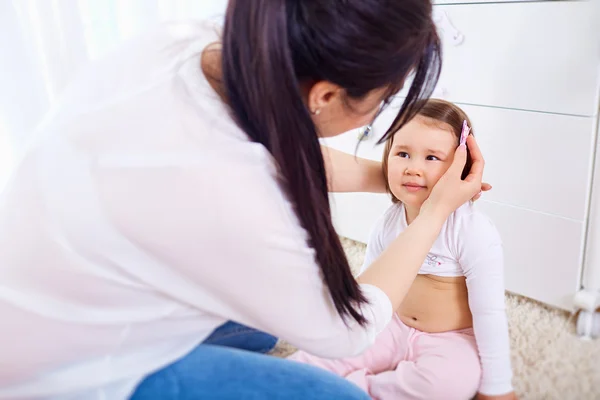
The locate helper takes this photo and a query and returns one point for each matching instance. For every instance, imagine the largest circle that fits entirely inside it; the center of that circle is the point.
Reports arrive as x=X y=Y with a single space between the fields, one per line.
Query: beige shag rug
x=549 y=361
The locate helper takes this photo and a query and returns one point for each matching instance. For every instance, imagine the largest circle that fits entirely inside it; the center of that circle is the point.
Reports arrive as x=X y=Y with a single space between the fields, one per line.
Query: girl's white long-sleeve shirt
x=141 y=218
x=468 y=245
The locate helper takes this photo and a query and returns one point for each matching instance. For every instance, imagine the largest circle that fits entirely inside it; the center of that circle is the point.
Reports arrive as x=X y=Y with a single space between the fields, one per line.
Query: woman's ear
x=321 y=95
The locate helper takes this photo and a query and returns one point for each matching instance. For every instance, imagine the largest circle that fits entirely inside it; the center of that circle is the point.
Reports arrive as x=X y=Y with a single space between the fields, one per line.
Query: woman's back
x=141 y=219
x=81 y=289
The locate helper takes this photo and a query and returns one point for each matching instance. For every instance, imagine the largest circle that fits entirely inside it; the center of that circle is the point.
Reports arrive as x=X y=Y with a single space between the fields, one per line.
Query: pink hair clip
x=465 y=132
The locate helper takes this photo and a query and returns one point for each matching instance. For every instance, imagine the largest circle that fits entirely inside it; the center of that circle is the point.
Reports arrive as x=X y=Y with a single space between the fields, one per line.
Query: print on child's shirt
x=432 y=260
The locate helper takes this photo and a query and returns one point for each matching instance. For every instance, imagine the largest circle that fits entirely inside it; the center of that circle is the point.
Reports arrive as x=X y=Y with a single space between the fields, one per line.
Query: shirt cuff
x=496 y=388
x=380 y=305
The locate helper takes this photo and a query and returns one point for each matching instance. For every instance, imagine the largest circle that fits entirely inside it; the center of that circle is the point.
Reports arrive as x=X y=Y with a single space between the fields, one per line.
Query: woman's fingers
x=450 y=192
x=458 y=164
x=484 y=188
x=476 y=173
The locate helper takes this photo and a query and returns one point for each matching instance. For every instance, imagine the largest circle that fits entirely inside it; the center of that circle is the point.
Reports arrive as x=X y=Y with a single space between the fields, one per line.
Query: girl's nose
x=413 y=171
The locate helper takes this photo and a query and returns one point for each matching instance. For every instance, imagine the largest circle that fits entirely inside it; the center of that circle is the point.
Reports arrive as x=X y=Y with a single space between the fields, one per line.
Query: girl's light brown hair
x=439 y=113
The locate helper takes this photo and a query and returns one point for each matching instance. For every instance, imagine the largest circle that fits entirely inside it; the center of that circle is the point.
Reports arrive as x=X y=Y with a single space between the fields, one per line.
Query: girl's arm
x=508 y=396
x=480 y=255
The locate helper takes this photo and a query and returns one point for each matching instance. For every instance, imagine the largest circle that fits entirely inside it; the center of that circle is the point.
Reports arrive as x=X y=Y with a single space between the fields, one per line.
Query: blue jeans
x=228 y=366
x=238 y=336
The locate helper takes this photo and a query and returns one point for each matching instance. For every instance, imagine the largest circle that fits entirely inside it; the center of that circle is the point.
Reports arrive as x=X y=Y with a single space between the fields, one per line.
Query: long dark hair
x=271 y=47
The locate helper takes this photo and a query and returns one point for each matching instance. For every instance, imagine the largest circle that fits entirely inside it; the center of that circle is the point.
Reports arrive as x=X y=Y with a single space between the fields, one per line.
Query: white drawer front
x=591 y=268
x=534 y=160
x=542 y=253
x=540 y=56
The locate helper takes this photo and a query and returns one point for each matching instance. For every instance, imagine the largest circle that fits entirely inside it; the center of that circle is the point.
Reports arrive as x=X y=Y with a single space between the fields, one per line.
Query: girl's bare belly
x=436 y=304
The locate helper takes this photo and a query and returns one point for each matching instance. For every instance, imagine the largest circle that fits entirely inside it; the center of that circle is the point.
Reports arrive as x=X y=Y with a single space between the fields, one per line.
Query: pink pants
x=405 y=363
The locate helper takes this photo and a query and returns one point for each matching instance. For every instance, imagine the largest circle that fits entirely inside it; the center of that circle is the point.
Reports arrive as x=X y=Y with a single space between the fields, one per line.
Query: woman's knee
x=238 y=336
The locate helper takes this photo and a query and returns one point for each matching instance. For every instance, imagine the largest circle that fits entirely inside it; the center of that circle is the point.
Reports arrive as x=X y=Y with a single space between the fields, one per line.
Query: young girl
x=449 y=338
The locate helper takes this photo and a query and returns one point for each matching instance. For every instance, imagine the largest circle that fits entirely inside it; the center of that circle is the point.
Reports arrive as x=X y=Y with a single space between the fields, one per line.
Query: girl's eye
x=403 y=154
x=432 y=158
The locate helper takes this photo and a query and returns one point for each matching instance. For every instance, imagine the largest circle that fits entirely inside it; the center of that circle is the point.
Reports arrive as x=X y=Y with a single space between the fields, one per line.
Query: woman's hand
x=484 y=188
x=451 y=192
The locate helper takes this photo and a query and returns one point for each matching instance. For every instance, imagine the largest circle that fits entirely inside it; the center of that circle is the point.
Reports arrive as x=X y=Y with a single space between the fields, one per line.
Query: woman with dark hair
x=180 y=184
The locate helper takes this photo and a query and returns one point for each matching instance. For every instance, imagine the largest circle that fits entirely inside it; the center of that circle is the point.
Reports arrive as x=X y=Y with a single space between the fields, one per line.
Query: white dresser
x=528 y=75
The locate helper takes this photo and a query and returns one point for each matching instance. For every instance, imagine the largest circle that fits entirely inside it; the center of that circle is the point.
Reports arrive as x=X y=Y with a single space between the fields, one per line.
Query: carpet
x=549 y=361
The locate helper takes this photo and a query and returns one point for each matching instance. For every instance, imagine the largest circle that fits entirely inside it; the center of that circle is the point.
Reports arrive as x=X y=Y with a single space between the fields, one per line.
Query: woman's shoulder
x=149 y=100
x=136 y=65
x=179 y=38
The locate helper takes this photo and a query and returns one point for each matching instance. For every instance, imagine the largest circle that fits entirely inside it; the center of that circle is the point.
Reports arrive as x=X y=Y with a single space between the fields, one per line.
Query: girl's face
x=421 y=152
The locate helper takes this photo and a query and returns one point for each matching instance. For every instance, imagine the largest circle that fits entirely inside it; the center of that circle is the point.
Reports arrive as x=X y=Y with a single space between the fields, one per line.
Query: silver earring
x=365 y=133
x=317 y=111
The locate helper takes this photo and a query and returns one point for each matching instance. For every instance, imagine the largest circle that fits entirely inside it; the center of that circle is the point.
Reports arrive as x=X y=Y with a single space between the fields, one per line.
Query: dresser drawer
x=534 y=160
x=540 y=56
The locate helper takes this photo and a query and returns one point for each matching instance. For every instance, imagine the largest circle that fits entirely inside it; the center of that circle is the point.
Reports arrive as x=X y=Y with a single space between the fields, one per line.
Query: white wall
x=44 y=42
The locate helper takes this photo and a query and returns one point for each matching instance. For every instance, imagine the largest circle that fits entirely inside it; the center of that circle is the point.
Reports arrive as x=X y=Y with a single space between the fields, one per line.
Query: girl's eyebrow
x=436 y=152
x=400 y=147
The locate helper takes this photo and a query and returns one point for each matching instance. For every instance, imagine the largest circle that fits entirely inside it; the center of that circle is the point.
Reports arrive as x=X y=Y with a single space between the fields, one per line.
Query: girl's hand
x=508 y=396
x=451 y=192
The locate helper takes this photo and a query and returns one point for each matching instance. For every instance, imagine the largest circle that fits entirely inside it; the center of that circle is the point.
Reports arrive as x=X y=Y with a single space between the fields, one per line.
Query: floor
x=549 y=361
